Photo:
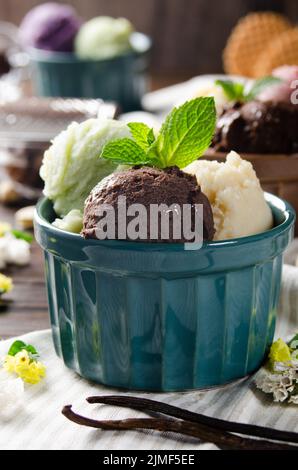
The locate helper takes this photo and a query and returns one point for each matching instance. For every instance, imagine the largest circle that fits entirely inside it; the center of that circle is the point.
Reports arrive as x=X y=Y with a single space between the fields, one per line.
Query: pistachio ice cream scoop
x=72 y=166
x=103 y=37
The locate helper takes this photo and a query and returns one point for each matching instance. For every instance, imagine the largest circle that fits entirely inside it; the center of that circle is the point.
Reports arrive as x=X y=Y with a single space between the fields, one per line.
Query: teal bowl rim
x=42 y=55
x=272 y=200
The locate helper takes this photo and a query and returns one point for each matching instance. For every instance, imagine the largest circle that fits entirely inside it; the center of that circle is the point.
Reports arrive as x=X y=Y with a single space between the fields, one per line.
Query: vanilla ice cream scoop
x=237 y=199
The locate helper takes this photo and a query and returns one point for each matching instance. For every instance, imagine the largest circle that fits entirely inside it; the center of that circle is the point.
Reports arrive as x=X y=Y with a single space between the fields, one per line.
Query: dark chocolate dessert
x=148 y=186
x=258 y=127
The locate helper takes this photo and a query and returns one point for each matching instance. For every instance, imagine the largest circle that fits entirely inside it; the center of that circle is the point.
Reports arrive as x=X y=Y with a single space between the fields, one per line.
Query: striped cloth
x=39 y=424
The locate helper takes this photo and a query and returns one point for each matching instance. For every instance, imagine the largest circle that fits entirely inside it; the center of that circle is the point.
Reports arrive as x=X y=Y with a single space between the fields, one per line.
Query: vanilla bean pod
x=147 y=405
x=204 y=433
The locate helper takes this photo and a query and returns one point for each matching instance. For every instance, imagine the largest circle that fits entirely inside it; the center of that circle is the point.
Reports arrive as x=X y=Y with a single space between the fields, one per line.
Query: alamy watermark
x=158 y=222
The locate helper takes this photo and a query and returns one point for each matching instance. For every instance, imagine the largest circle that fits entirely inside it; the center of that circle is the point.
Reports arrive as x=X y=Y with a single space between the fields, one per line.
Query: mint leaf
x=260 y=85
x=31 y=349
x=185 y=135
x=125 y=151
x=16 y=347
x=142 y=134
x=22 y=235
x=233 y=91
x=19 y=345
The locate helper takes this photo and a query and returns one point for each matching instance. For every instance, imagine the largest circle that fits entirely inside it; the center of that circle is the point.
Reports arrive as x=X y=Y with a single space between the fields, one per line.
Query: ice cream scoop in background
x=283 y=91
x=102 y=58
x=103 y=37
x=259 y=127
x=237 y=199
x=50 y=26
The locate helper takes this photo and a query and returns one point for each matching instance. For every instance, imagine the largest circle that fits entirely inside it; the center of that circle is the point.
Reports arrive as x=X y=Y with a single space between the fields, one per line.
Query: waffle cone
x=248 y=40
x=282 y=50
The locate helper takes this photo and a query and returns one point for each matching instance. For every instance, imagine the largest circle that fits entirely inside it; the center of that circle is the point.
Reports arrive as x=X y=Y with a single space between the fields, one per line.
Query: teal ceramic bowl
x=158 y=317
x=121 y=79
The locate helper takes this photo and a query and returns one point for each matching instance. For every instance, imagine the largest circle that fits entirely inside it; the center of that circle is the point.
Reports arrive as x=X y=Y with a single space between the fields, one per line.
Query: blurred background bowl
x=122 y=79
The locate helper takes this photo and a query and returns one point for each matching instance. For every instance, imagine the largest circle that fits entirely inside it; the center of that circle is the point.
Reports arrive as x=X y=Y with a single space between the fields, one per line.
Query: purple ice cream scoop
x=51 y=27
x=282 y=91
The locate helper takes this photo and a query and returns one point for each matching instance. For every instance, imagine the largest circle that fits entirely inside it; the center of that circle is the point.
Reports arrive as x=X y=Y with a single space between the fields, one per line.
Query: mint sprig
x=236 y=91
x=185 y=135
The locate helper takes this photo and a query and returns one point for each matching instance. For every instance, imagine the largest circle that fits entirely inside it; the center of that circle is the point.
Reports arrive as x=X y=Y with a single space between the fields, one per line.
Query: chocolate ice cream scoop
x=258 y=127
x=148 y=186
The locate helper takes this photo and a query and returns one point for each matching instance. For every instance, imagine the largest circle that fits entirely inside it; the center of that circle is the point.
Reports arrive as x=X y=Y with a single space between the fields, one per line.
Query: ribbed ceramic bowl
x=121 y=79
x=158 y=317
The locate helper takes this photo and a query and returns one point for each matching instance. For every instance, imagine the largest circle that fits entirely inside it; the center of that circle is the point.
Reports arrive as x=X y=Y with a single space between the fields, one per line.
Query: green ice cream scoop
x=103 y=37
x=72 y=166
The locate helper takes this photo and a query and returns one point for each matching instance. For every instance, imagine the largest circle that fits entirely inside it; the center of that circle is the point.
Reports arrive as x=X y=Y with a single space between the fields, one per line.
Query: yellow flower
x=279 y=352
x=4 y=228
x=5 y=284
x=33 y=373
x=22 y=360
x=9 y=363
x=28 y=370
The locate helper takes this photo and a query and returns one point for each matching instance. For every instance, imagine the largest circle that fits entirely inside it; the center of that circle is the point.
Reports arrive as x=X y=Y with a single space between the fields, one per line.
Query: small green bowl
x=122 y=79
x=159 y=317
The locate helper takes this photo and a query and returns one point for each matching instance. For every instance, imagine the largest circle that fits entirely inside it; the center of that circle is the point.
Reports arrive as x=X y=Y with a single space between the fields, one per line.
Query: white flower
x=13 y=251
x=11 y=395
x=280 y=394
x=279 y=385
x=294 y=399
x=281 y=378
x=18 y=252
x=267 y=382
x=286 y=380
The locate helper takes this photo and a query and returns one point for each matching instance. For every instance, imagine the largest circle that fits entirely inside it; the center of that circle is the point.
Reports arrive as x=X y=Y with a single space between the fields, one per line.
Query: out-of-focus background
x=188 y=35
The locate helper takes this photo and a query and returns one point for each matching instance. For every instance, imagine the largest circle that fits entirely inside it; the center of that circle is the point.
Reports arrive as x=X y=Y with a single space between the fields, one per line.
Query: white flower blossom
x=13 y=251
x=281 y=381
x=286 y=380
x=294 y=399
x=280 y=394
